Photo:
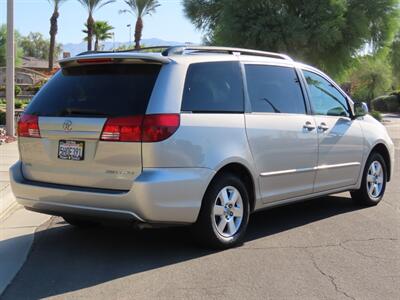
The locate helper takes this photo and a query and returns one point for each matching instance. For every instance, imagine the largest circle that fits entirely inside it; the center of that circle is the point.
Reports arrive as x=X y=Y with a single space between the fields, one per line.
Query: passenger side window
x=274 y=89
x=213 y=87
x=324 y=97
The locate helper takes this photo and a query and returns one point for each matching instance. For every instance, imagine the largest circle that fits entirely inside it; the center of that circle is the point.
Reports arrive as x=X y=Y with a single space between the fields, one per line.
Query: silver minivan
x=193 y=135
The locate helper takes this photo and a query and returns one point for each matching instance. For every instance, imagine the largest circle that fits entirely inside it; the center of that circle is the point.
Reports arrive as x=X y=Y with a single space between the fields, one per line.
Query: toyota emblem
x=67 y=125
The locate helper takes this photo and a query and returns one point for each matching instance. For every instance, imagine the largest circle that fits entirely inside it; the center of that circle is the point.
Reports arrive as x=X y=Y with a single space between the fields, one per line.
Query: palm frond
x=92 y=5
x=56 y=3
x=142 y=8
x=105 y=3
x=101 y=29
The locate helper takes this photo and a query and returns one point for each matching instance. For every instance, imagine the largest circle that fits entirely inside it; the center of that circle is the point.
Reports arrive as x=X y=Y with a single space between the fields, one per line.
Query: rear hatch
x=83 y=128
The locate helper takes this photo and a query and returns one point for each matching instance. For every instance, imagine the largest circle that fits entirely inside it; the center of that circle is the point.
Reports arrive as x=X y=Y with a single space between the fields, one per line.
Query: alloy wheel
x=228 y=211
x=375 y=177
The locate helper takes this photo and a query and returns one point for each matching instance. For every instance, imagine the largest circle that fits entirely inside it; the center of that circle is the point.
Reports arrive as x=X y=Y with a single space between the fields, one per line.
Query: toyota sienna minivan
x=193 y=135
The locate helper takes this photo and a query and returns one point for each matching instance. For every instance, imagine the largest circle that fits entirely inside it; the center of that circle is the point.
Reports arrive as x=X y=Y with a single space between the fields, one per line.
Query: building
x=32 y=72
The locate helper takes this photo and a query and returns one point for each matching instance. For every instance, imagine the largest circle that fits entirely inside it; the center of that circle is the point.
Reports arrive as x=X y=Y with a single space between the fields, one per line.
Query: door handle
x=323 y=127
x=309 y=126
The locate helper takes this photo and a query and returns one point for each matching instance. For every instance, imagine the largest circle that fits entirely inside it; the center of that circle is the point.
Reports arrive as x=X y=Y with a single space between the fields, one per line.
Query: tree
x=3 y=46
x=395 y=60
x=35 y=45
x=91 y=6
x=53 y=30
x=140 y=9
x=371 y=77
x=322 y=32
x=101 y=32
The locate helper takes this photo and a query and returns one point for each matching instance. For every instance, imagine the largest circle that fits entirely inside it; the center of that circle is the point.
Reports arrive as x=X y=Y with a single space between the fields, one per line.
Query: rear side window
x=213 y=87
x=274 y=89
x=97 y=90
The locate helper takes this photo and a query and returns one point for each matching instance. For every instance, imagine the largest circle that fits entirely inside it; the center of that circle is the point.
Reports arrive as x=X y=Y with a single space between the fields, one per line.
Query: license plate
x=71 y=150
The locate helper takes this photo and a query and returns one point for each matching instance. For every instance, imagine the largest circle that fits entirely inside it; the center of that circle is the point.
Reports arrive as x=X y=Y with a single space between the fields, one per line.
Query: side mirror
x=360 y=109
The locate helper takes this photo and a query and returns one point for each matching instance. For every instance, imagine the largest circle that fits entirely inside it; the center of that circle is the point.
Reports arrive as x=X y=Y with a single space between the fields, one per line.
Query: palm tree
x=92 y=6
x=101 y=32
x=53 y=30
x=140 y=8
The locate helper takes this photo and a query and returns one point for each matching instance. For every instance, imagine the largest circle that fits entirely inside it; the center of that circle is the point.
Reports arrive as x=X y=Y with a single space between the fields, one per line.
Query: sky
x=168 y=23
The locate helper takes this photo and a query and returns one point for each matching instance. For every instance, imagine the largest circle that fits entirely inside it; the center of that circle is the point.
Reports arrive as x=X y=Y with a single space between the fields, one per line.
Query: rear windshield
x=97 y=90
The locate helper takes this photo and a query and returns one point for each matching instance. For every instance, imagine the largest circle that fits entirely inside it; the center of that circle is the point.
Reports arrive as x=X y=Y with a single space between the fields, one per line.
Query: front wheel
x=224 y=214
x=373 y=183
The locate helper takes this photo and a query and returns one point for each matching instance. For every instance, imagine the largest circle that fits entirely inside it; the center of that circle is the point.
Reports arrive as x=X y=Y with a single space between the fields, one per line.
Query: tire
x=373 y=182
x=80 y=223
x=225 y=203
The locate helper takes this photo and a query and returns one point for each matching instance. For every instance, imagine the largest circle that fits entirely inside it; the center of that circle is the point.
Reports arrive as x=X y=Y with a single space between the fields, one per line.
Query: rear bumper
x=164 y=195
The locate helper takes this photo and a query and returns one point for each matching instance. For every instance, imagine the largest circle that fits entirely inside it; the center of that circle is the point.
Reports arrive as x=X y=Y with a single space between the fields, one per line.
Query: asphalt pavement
x=326 y=248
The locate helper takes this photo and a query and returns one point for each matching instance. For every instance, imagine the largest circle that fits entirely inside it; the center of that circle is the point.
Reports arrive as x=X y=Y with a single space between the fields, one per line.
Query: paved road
x=326 y=248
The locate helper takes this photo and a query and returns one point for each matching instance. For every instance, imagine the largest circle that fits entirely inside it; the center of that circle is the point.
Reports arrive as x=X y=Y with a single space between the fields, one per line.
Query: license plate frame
x=71 y=150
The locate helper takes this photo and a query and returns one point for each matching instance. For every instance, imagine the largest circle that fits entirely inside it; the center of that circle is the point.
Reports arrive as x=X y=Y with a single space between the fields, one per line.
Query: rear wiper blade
x=82 y=111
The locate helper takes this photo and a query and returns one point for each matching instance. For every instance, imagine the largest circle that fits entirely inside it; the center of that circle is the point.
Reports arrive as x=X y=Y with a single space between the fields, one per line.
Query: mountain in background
x=75 y=49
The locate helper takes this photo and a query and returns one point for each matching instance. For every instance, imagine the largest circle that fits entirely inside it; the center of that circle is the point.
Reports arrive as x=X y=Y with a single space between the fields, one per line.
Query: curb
x=8 y=203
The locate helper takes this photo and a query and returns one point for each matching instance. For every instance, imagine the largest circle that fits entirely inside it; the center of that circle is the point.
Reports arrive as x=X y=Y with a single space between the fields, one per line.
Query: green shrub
x=18 y=104
x=25 y=102
x=2 y=117
x=389 y=103
x=17 y=90
x=376 y=114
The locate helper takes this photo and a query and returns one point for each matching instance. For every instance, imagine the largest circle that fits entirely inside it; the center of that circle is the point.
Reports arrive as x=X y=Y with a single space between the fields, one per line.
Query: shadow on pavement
x=65 y=259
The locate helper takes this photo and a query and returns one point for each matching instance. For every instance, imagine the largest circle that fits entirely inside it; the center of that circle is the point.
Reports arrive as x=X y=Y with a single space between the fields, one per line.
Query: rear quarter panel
x=203 y=141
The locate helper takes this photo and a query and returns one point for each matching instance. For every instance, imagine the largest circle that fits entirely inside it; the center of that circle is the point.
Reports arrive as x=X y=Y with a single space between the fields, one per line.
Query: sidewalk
x=17 y=225
x=8 y=156
x=17 y=233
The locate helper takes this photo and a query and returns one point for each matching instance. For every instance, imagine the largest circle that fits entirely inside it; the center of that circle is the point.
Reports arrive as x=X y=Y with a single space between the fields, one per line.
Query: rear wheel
x=78 y=222
x=373 y=183
x=224 y=214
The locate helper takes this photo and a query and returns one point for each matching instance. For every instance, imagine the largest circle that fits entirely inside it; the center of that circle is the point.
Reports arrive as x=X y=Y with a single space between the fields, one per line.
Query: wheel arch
x=384 y=151
x=244 y=173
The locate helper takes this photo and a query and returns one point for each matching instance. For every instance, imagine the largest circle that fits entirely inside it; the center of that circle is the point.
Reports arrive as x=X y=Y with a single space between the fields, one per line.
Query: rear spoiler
x=152 y=58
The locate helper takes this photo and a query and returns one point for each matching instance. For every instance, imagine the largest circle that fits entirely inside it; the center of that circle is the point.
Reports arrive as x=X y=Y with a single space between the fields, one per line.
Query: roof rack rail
x=179 y=50
x=176 y=50
x=148 y=48
x=129 y=50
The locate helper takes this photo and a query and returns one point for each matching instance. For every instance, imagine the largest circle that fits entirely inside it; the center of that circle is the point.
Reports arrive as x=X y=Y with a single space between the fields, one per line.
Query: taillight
x=157 y=128
x=28 y=126
x=148 y=128
x=123 y=129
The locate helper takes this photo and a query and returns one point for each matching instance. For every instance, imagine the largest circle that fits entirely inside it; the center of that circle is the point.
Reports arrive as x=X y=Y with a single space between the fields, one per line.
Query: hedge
x=389 y=103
